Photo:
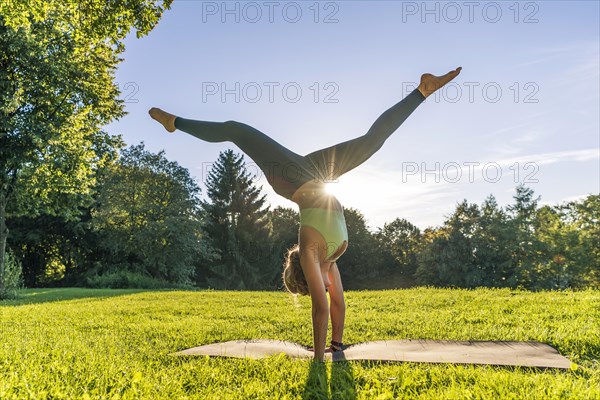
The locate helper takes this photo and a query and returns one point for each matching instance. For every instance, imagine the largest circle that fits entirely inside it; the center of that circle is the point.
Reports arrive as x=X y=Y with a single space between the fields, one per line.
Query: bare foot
x=431 y=83
x=167 y=120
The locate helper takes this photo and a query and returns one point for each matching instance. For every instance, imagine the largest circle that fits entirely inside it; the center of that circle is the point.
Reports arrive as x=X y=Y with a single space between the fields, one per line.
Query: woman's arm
x=338 y=305
x=320 y=308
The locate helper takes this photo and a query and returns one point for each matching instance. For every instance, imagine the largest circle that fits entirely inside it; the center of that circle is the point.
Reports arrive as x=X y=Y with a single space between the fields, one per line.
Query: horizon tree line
x=147 y=226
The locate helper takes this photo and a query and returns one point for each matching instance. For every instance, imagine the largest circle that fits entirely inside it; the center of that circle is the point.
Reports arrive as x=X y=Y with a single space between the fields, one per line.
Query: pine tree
x=238 y=227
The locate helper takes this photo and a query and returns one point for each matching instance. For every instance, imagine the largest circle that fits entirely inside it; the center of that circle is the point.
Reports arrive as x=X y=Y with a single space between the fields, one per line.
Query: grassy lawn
x=105 y=344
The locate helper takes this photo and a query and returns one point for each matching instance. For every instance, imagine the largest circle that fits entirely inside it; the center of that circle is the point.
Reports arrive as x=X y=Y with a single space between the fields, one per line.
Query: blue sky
x=311 y=74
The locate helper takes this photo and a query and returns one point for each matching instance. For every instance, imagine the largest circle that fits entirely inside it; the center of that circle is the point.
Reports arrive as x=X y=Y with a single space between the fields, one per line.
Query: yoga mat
x=526 y=354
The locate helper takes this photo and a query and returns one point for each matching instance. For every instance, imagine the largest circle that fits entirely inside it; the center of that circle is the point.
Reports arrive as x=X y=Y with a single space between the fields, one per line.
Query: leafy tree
x=50 y=247
x=569 y=235
x=362 y=265
x=147 y=213
x=285 y=223
x=586 y=253
x=449 y=259
x=434 y=245
x=526 y=247
x=402 y=240
x=57 y=63
x=491 y=245
x=237 y=226
x=550 y=268
x=459 y=268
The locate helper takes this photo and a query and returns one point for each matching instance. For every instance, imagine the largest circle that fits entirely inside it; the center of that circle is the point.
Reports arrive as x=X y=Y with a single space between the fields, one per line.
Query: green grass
x=105 y=344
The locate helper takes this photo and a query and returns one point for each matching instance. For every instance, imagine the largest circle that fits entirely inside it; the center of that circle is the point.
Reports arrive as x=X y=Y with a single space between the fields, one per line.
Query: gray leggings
x=285 y=170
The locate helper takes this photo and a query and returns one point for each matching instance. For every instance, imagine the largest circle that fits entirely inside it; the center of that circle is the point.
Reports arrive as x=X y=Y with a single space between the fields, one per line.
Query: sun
x=358 y=192
x=330 y=188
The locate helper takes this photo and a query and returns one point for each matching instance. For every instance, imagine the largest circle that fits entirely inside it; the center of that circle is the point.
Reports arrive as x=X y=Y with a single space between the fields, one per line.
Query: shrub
x=13 y=276
x=126 y=280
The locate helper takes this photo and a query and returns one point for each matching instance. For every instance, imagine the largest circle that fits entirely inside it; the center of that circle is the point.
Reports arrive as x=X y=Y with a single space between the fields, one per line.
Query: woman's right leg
x=285 y=170
x=334 y=161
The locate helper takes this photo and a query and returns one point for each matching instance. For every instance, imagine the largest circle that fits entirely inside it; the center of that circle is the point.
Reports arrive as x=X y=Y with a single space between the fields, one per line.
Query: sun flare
x=330 y=188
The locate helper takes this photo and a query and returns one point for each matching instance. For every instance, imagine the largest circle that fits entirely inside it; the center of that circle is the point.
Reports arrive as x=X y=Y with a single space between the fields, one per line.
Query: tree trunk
x=3 y=236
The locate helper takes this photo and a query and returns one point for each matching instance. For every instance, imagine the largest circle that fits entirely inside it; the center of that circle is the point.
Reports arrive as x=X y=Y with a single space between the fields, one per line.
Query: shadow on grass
x=44 y=295
x=341 y=385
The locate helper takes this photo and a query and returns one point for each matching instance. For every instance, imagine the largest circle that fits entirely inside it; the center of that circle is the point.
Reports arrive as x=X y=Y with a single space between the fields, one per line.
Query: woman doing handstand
x=311 y=265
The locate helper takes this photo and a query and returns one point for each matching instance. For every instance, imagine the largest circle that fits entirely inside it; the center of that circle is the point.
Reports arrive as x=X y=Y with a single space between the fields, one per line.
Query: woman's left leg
x=285 y=170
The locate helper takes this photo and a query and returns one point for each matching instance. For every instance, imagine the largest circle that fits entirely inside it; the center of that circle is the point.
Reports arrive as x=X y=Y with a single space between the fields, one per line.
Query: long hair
x=293 y=276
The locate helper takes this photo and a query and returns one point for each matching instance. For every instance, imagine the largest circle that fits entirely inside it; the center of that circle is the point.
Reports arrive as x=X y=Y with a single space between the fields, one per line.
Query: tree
x=403 y=242
x=362 y=265
x=237 y=226
x=434 y=245
x=586 y=254
x=57 y=63
x=285 y=224
x=552 y=267
x=449 y=258
x=147 y=212
x=491 y=244
x=50 y=247
x=569 y=235
x=525 y=247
